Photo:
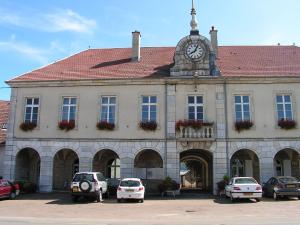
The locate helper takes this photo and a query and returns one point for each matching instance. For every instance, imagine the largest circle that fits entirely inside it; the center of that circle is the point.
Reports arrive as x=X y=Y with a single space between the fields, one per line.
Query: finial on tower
x=194 y=22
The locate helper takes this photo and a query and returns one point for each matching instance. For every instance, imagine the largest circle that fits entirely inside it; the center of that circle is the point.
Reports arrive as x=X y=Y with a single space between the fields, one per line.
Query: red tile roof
x=156 y=62
x=4 y=111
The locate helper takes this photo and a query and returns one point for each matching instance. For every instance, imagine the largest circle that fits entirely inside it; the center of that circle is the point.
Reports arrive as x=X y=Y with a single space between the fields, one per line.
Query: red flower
x=148 y=126
x=27 y=126
x=243 y=125
x=66 y=125
x=287 y=124
x=104 y=125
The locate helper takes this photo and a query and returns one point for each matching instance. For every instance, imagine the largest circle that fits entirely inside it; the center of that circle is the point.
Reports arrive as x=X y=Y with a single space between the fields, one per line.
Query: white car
x=131 y=188
x=243 y=187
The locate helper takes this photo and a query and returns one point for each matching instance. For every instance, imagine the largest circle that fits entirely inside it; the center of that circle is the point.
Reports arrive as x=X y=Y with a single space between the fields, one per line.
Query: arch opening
x=108 y=163
x=287 y=163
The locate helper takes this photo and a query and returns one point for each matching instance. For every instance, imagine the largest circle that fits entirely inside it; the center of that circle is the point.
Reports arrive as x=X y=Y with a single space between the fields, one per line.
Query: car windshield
x=288 y=180
x=83 y=176
x=245 y=181
x=130 y=183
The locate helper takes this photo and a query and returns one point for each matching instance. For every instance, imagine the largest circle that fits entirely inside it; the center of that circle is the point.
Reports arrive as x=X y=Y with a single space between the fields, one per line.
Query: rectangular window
x=242 y=108
x=69 y=108
x=108 y=109
x=195 y=108
x=31 y=110
x=149 y=108
x=284 y=107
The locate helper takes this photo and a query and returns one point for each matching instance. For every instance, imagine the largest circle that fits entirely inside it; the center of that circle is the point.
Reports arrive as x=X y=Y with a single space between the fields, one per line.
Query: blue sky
x=36 y=33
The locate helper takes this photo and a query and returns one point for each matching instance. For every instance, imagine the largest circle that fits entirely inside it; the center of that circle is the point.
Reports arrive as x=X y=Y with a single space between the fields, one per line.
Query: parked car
x=243 y=187
x=88 y=184
x=131 y=188
x=8 y=189
x=282 y=186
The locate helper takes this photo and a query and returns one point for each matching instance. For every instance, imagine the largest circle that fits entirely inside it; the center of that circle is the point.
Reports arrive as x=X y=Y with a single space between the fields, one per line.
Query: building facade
x=194 y=112
x=4 y=111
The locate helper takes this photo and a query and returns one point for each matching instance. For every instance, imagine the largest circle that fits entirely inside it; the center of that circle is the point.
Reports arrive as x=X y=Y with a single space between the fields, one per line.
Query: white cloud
x=58 y=21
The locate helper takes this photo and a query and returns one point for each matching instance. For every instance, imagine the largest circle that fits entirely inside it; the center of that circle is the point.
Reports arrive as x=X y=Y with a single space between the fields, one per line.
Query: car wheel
x=275 y=196
x=12 y=195
x=232 y=198
x=299 y=197
x=257 y=199
x=118 y=200
x=142 y=200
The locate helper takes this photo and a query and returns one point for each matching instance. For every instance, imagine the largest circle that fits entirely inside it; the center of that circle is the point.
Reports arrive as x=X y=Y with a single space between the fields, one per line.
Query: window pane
x=34 y=118
x=66 y=101
x=289 y=115
x=29 y=101
x=246 y=99
x=72 y=109
x=280 y=115
x=145 y=108
x=35 y=109
x=144 y=116
x=27 y=117
x=153 y=99
x=238 y=116
x=28 y=110
x=238 y=108
x=145 y=99
x=246 y=107
x=191 y=116
x=237 y=99
x=36 y=101
x=112 y=100
x=73 y=101
x=104 y=100
x=199 y=99
x=153 y=108
x=246 y=116
x=280 y=107
x=200 y=116
x=191 y=100
x=191 y=109
x=288 y=107
x=287 y=98
x=65 y=116
x=279 y=98
x=199 y=109
x=72 y=116
x=153 y=116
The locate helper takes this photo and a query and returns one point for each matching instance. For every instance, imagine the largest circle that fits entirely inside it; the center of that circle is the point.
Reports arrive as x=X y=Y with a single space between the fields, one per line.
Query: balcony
x=195 y=131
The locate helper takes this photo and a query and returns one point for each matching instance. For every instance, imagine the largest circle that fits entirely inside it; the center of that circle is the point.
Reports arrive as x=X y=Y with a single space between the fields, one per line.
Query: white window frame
x=32 y=106
x=108 y=105
x=242 y=107
x=149 y=104
x=195 y=105
x=283 y=103
x=69 y=105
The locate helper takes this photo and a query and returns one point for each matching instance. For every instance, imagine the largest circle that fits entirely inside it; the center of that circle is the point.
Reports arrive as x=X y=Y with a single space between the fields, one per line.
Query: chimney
x=214 y=39
x=136 y=46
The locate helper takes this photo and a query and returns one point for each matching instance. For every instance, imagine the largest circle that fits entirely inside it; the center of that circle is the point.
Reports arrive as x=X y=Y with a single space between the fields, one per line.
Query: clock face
x=194 y=51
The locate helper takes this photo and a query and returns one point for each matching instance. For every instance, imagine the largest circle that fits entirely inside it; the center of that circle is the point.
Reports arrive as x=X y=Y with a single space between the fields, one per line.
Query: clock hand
x=195 y=49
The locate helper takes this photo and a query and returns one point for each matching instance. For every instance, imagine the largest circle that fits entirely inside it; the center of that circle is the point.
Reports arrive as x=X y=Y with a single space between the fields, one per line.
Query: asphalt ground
x=57 y=208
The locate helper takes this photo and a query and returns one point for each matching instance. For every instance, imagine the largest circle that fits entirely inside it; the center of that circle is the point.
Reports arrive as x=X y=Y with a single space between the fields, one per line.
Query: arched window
x=113 y=168
x=238 y=168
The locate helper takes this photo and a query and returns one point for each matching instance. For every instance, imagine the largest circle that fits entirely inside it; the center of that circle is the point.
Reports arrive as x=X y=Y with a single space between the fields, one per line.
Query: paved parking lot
x=58 y=209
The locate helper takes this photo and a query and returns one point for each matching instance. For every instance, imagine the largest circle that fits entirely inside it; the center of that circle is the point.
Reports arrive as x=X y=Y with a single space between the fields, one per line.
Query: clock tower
x=194 y=54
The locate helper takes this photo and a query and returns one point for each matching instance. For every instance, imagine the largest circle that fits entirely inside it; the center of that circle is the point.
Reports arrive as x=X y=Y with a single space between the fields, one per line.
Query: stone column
x=46 y=174
x=219 y=164
x=9 y=158
x=85 y=159
x=171 y=155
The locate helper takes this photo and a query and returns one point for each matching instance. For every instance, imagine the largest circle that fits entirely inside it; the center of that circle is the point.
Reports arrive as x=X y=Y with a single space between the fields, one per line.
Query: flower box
x=66 y=125
x=195 y=124
x=148 y=126
x=104 y=125
x=28 y=126
x=243 y=125
x=287 y=124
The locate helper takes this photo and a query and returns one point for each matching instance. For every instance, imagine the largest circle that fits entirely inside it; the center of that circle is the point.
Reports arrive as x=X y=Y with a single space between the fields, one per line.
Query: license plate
x=129 y=190
x=75 y=189
x=247 y=194
x=290 y=186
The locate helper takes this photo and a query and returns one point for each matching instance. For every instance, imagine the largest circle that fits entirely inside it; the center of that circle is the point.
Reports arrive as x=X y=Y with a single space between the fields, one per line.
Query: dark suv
x=88 y=184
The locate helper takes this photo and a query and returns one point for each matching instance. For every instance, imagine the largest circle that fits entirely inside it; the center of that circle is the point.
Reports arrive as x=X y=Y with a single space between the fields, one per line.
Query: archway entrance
x=27 y=166
x=196 y=170
x=148 y=164
x=287 y=163
x=65 y=165
x=108 y=163
x=245 y=163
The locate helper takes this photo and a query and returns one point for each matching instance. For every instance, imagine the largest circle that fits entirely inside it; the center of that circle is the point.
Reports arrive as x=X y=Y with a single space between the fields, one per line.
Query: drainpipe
x=166 y=129
x=226 y=127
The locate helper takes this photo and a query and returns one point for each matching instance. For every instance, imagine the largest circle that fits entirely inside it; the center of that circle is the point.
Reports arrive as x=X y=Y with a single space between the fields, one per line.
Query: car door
x=6 y=188
x=228 y=188
x=266 y=187
x=271 y=186
x=1 y=189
